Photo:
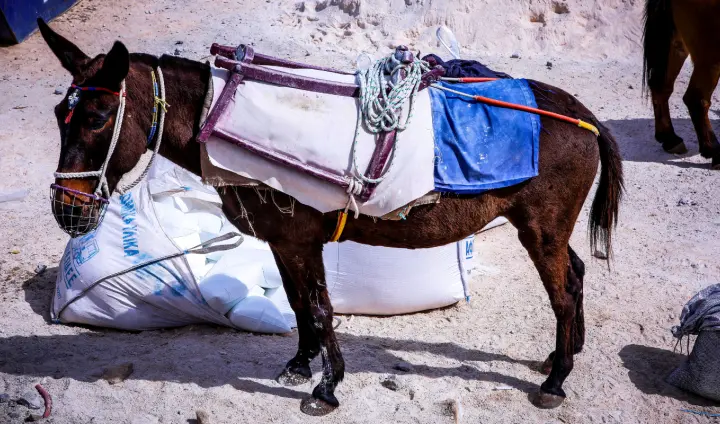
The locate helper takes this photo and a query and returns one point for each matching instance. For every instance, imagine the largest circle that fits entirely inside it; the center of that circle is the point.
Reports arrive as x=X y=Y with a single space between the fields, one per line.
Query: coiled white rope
x=381 y=111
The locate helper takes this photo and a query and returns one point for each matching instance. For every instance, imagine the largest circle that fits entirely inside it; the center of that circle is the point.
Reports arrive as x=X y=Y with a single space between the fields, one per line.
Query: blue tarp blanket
x=481 y=147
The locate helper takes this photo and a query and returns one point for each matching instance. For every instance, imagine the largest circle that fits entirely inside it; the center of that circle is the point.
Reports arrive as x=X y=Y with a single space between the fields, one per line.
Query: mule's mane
x=169 y=61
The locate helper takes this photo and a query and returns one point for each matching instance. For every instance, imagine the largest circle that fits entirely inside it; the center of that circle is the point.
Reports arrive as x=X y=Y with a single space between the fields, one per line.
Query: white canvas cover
x=117 y=277
x=318 y=129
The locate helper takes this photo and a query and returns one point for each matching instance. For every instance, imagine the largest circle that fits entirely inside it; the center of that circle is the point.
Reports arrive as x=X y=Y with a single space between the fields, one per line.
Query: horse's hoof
x=675 y=147
x=317 y=407
x=289 y=378
x=544 y=400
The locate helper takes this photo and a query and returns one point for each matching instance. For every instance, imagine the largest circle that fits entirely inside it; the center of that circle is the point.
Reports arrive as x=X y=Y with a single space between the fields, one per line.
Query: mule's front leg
x=297 y=371
x=304 y=267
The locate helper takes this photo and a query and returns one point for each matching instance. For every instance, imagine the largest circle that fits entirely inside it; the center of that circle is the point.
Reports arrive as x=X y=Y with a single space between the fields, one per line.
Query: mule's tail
x=604 y=210
x=657 y=41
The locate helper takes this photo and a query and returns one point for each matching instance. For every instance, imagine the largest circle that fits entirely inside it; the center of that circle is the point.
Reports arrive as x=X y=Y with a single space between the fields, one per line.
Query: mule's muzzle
x=76 y=212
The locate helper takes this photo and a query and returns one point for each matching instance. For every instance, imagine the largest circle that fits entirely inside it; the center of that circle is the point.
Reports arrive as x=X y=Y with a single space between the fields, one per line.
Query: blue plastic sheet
x=481 y=147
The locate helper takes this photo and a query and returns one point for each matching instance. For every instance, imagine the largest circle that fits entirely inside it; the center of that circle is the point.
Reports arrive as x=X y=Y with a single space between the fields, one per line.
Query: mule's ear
x=116 y=66
x=70 y=56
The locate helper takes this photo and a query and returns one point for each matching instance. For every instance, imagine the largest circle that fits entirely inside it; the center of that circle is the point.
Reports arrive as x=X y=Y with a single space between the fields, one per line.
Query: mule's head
x=88 y=118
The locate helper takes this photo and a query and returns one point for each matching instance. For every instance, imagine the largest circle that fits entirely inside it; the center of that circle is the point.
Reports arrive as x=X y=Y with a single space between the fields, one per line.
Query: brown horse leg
x=547 y=244
x=575 y=275
x=697 y=99
x=304 y=265
x=661 y=92
x=297 y=371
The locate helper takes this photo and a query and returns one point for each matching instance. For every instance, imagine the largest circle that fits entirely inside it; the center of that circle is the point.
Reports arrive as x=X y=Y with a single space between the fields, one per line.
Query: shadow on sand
x=211 y=356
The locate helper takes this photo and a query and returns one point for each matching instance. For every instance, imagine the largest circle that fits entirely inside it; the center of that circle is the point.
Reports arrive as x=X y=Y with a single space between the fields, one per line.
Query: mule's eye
x=97 y=122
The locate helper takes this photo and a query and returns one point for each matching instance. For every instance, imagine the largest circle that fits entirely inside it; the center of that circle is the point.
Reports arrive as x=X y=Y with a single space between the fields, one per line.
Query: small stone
x=118 y=373
x=549 y=65
x=59 y=91
x=4 y=397
x=202 y=417
x=390 y=383
x=300 y=6
x=40 y=269
x=403 y=366
x=600 y=255
x=515 y=56
x=630 y=87
x=179 y=42
x=31 y=399
x=177 y=52
x=15 y=251
x=34 y=418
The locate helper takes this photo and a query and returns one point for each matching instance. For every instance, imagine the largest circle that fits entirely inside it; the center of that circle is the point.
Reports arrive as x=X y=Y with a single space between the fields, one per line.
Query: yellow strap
x=342 y=218
x=589 y=127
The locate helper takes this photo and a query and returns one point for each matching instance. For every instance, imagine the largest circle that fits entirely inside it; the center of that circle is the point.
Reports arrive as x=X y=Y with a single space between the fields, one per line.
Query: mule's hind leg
x=297 y=371
x=305 y=268
x=546 y=240
x=661 y=89
x=697 y=99
x=575 y=275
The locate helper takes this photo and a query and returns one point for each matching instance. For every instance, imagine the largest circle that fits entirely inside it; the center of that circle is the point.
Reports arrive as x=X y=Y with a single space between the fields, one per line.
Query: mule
x=544 y=209
x=674 y=30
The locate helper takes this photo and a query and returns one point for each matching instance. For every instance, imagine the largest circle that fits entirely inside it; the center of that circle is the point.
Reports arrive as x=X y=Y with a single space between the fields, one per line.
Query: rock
x=515 y=56
x=390 y=382
x=118 y=373
x=177 y=52
x=202 y=416
x=300 y=6
x=15 y=251
x=548 y=64
x=4 y=397
x=40 y=269
x=631 y=87
x=59 y=91
x=34 y=418
x=600 y=255
x=179 y=42
x=31 y=399
x=403 y=366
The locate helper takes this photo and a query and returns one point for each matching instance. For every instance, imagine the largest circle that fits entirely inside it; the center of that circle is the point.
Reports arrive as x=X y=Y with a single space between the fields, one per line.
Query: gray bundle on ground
x=700 y=373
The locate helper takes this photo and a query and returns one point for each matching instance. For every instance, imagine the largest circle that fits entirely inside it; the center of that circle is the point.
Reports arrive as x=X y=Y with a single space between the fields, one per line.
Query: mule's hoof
x=288 y=378
x=544 y=400
x=546 y=366
x=675 y=147
x=316 y=407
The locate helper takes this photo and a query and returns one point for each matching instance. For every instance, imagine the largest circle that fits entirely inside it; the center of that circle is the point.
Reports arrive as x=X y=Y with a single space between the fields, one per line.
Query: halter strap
x=158 y=100
x=77 y=87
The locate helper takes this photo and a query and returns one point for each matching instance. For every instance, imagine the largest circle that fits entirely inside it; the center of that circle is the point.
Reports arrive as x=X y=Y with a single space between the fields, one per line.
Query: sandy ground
x=480 y=355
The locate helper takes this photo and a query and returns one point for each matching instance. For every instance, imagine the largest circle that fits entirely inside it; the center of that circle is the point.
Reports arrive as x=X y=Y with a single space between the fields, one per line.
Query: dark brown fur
x=675 y=29
x=543 y=209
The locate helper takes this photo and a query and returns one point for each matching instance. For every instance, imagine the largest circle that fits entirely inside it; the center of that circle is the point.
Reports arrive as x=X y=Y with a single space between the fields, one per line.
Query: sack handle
x=207 y=246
